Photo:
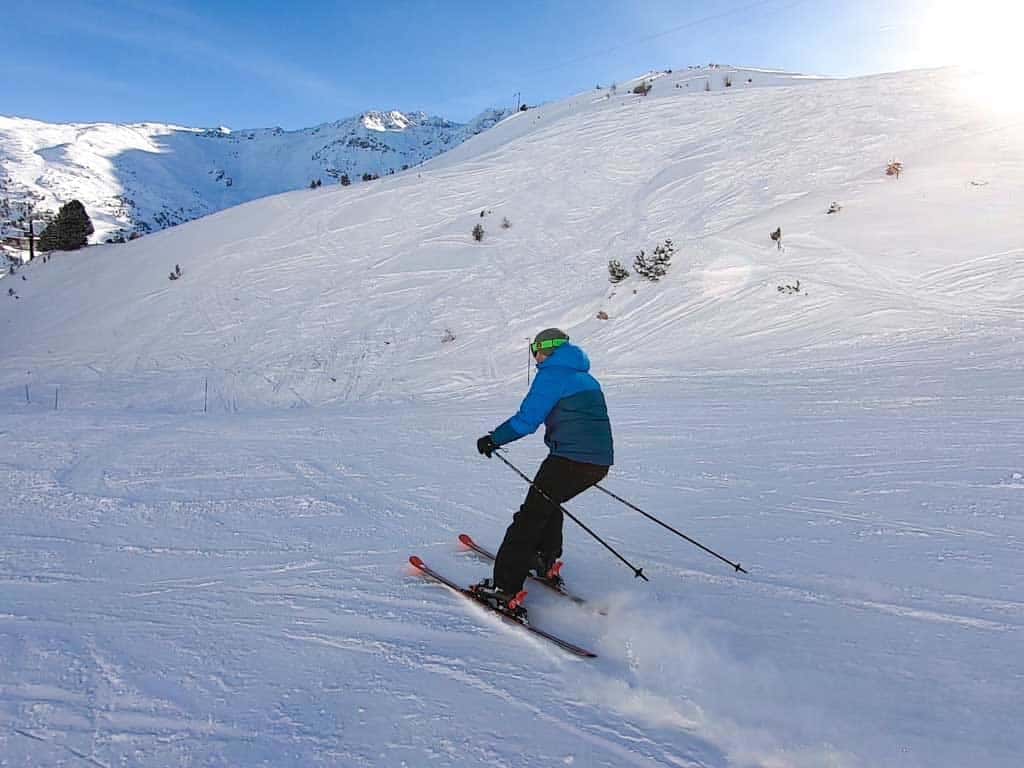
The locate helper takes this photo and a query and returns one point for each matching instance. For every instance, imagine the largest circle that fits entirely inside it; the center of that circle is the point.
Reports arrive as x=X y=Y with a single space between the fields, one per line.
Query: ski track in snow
x=268 y=616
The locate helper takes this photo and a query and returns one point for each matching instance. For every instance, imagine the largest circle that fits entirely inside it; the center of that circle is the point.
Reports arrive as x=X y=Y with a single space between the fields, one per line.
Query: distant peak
x=386 y=121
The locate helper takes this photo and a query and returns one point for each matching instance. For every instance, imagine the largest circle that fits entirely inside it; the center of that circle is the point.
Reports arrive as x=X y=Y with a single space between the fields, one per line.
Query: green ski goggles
x=539 y=346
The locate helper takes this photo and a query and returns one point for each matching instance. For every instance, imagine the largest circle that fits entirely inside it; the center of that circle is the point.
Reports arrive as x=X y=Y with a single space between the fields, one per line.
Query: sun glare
x=984 y=36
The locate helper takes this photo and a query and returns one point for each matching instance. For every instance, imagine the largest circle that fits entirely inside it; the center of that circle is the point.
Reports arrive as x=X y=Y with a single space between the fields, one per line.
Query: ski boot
x=510 y=605
x=548 y=570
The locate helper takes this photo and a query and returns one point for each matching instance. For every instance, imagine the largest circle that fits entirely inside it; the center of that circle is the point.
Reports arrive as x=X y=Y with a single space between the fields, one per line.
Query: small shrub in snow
x=834 y=208
x=616 y=272
x=505 y=223
x=643 y=89
x=478 y=232
x=895 y=168
x=728 y=81
x=776 y=236
x=176 y=274
x=795 y=288
x=345 y=180
x=448 y=336
x=602 y=315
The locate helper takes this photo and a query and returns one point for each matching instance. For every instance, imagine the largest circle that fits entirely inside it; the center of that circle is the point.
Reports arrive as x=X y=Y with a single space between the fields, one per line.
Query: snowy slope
x=360 y=284
x=149 y=176
x=230 y=588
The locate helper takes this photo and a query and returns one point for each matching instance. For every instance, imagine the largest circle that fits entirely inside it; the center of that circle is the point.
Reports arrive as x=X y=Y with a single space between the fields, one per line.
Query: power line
x=663 y=33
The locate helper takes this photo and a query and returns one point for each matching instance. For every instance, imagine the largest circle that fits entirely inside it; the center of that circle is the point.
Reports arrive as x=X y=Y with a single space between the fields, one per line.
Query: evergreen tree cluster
x=69 y=230
x=655 y=266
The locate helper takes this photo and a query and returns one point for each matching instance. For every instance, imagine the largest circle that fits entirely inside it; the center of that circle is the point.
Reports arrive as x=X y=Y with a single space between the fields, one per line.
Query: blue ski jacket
x=570 y=403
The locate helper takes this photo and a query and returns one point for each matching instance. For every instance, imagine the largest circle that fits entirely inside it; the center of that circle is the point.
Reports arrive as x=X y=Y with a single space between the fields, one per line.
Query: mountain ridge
x=146 y=176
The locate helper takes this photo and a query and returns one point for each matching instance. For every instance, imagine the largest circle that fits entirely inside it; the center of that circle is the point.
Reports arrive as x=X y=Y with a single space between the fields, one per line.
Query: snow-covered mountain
x=148 y=176
x=210 y=486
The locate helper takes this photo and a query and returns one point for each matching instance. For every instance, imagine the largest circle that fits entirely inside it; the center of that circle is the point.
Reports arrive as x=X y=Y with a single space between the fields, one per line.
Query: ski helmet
x=548 y=340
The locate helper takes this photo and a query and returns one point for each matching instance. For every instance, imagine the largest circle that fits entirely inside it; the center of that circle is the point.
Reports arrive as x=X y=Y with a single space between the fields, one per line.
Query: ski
x=563 y=644
x=468 y=541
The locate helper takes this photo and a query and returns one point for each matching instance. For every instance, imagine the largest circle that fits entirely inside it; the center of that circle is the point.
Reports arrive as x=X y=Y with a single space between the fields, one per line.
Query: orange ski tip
x=466 y=539
x=415 y=560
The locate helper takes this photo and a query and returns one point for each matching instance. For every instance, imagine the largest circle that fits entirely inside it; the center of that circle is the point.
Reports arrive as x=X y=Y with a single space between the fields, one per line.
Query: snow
x=230 y=587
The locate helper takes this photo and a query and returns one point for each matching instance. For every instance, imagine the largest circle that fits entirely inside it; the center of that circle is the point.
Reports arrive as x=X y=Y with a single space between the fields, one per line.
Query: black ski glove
x=486 y=445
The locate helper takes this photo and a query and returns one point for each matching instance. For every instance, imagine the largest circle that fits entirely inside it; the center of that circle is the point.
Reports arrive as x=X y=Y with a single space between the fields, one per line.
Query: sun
x=983 y=36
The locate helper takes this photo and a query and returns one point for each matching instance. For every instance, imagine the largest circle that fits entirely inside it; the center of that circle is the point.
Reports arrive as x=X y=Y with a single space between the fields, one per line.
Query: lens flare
x=984 y=37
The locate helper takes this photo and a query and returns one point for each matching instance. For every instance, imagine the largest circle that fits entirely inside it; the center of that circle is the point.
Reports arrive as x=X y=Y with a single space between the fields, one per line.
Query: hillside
x=360 y=285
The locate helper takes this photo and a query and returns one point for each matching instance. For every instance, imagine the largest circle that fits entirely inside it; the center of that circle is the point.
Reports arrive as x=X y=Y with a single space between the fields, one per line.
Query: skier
x=569 y=401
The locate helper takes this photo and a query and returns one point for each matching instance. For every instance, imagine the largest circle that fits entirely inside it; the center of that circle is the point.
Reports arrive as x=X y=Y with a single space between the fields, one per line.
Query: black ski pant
x=537 y=526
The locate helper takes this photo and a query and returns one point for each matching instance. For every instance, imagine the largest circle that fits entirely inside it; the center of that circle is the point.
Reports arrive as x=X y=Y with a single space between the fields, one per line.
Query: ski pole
x=739 y=568
x=638 y=573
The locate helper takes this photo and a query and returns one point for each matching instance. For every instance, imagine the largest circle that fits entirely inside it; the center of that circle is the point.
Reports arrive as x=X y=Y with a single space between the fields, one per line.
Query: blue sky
x=294 y=64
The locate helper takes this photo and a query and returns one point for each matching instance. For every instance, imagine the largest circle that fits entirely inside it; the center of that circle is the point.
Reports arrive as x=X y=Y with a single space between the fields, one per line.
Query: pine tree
x=68 y=231
x=616 y=272
x=644 y=266
x=663 y=256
